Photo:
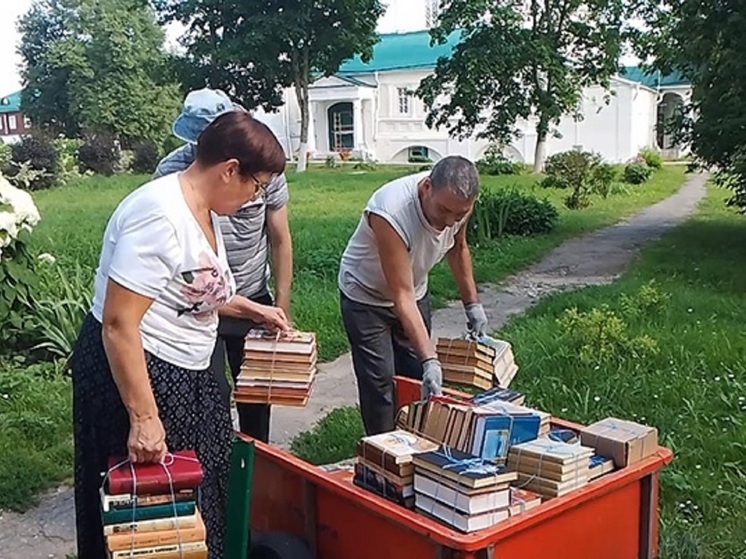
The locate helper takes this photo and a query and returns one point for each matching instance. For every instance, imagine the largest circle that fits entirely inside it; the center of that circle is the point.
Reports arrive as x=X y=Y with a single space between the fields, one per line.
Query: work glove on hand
x=432 y=378
x=476 y=319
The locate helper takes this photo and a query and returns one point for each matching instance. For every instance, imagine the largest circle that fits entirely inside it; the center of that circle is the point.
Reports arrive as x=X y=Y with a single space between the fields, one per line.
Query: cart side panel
x=605 y=528
x=336 y=525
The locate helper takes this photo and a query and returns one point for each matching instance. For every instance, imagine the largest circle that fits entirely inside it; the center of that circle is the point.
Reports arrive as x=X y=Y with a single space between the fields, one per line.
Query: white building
x=365 y=109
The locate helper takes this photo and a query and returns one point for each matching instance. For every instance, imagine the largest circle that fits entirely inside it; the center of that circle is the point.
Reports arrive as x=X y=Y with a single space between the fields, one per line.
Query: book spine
x=110 y=502
x=148 y=513
x=121 y=542
x=159 y=485
x=156 y=525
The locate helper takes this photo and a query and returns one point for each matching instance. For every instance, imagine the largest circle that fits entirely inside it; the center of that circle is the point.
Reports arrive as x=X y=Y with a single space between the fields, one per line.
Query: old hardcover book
x=184 y=472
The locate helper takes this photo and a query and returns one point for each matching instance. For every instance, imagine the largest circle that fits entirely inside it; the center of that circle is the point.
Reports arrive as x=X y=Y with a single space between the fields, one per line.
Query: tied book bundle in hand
x=277 y=368
x=481 y=362
x=150 y=509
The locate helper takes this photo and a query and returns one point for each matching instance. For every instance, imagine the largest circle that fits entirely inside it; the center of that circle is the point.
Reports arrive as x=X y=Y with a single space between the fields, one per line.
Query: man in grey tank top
x=250 y=235
x=407 y=227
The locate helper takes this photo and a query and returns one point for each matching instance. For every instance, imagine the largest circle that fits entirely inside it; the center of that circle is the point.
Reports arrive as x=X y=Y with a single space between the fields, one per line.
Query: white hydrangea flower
x=17 y=212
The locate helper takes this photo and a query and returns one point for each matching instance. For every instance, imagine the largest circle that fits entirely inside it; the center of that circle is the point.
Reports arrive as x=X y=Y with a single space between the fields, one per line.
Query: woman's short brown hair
x=237 y=135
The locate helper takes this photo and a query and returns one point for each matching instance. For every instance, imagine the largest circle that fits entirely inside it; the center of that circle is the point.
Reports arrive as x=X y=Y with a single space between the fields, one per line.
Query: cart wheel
x=279 y=546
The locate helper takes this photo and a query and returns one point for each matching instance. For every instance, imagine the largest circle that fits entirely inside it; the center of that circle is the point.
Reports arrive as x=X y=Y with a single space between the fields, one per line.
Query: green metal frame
x=238 y=507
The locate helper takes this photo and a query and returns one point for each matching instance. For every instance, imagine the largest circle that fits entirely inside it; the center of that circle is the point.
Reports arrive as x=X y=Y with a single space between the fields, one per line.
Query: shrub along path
x=598 y=258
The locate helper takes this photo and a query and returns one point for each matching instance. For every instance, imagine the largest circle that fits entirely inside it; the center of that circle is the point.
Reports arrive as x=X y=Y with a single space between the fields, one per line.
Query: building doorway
x=341 y=123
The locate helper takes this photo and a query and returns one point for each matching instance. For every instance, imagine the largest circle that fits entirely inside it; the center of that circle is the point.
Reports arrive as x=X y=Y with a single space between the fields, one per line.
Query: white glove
x=432 y=378
x=476 y=319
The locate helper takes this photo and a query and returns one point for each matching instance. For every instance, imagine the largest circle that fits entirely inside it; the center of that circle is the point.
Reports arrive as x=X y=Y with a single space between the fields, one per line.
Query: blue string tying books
x=150 y=509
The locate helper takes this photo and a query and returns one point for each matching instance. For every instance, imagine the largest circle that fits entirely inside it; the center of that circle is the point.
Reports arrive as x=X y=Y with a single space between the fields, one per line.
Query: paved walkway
x=598 y=258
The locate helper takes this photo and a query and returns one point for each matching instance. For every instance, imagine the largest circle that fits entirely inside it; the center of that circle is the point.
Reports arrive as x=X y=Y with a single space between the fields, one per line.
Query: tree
x=254 y=48
x=520 y=59
x=706 y=43
x=46 y=73
x=94 y=65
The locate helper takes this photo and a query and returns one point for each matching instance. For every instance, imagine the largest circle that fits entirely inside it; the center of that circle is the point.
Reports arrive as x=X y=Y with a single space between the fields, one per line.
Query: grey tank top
x=360 y=273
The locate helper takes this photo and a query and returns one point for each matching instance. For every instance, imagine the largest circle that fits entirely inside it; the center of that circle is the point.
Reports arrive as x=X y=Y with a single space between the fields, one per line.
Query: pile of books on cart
x=473 y=462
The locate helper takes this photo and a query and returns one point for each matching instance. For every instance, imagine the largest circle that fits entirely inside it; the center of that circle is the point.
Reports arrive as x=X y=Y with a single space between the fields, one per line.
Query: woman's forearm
x=241 y=307
x=124 y=351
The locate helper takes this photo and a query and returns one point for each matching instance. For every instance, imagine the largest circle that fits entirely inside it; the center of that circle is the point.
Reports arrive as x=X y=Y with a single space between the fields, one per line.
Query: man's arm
x=459 y=261
x=398 y=273
x=281 y=247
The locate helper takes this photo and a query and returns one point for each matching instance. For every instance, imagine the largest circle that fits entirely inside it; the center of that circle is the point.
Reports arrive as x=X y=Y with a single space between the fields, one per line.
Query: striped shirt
x=245 y=232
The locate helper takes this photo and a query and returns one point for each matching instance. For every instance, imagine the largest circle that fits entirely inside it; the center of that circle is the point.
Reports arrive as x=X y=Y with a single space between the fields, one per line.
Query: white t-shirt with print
x=154 y=246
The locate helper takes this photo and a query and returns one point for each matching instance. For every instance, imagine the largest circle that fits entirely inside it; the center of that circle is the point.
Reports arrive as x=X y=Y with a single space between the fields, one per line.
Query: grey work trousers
x=380 y=350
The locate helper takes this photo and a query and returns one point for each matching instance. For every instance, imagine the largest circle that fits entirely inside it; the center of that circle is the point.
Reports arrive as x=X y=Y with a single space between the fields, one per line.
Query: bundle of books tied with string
x=481 y=362
x=278 y=368
x=150 y=509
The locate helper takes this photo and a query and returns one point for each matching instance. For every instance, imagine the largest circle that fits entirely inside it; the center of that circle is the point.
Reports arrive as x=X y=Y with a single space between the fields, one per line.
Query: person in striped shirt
x=258 y=231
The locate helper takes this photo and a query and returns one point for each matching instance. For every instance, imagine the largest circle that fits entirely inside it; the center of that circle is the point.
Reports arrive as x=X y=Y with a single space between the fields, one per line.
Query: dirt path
x=48 y=531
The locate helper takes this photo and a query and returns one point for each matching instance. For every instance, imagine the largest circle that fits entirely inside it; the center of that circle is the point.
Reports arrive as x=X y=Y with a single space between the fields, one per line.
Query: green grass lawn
x=324 y=210
x=665 y=345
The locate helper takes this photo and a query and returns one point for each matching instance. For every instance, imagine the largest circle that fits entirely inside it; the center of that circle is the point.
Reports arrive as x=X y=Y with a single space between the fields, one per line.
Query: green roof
x=401 y=51
x=653 y=79
x=11 y=103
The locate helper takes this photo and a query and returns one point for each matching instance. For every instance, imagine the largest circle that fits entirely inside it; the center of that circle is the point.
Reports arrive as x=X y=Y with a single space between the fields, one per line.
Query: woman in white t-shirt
x=141 y=386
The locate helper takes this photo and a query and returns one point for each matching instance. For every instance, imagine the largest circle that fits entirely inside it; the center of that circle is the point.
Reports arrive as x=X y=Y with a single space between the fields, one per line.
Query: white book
x=468 y=504
x=456 y=519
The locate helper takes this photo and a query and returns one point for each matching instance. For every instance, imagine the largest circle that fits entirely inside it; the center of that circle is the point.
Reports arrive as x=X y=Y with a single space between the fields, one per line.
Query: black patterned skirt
x=194 y=416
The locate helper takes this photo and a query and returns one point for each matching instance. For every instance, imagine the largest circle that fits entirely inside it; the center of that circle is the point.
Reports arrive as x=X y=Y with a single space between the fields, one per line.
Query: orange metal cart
x=613 y=517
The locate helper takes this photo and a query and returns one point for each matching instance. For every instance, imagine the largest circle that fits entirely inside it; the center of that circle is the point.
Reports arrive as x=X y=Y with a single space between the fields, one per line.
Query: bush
x=42 y=158
x=637 y=173
x=6 y=156
x=495 y=163
x=17 y=265
x=584 y=172
x=510 y=212
x=99 y=153
x=145 y=158
x=652 y=158
x=67 y=154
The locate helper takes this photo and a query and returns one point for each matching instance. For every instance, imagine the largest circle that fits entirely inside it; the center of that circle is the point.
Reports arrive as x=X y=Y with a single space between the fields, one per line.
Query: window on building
x=405 y=101
x=419 y=154
x=12 y=122
x=27 y=122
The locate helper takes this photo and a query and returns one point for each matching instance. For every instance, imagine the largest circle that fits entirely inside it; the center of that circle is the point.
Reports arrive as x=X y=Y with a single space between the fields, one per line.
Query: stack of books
x=148 y=511
x=277 y=368
x=383 y=464
x=461 y=490
x=549 y=467
x=481 y=363
x=484 y=430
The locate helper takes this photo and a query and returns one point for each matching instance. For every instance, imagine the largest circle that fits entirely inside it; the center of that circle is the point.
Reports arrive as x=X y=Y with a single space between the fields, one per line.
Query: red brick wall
x=6 y=119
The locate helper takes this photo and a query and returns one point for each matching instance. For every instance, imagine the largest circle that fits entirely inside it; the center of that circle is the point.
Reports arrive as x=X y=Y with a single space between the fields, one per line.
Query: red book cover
x=183 y=466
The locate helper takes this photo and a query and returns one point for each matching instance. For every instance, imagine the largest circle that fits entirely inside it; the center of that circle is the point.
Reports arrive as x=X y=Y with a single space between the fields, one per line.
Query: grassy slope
x=693 y=390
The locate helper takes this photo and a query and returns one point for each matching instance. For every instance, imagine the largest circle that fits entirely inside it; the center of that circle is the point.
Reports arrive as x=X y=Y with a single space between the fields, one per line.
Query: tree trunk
x=303 y=148
x=540 y=153
x=301 y=71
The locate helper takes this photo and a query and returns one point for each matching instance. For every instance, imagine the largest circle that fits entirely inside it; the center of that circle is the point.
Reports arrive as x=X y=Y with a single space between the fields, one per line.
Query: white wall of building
x=616 y=124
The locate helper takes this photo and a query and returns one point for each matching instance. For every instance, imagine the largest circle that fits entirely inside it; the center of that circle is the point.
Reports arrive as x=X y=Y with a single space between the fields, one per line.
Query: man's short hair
x=457 y=173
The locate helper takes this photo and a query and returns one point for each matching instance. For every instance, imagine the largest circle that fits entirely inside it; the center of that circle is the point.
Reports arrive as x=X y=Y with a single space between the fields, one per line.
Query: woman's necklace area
x=203 y=218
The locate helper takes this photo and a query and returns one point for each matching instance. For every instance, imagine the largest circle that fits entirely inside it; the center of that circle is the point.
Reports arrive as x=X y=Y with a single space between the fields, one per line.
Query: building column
x=357 y=123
